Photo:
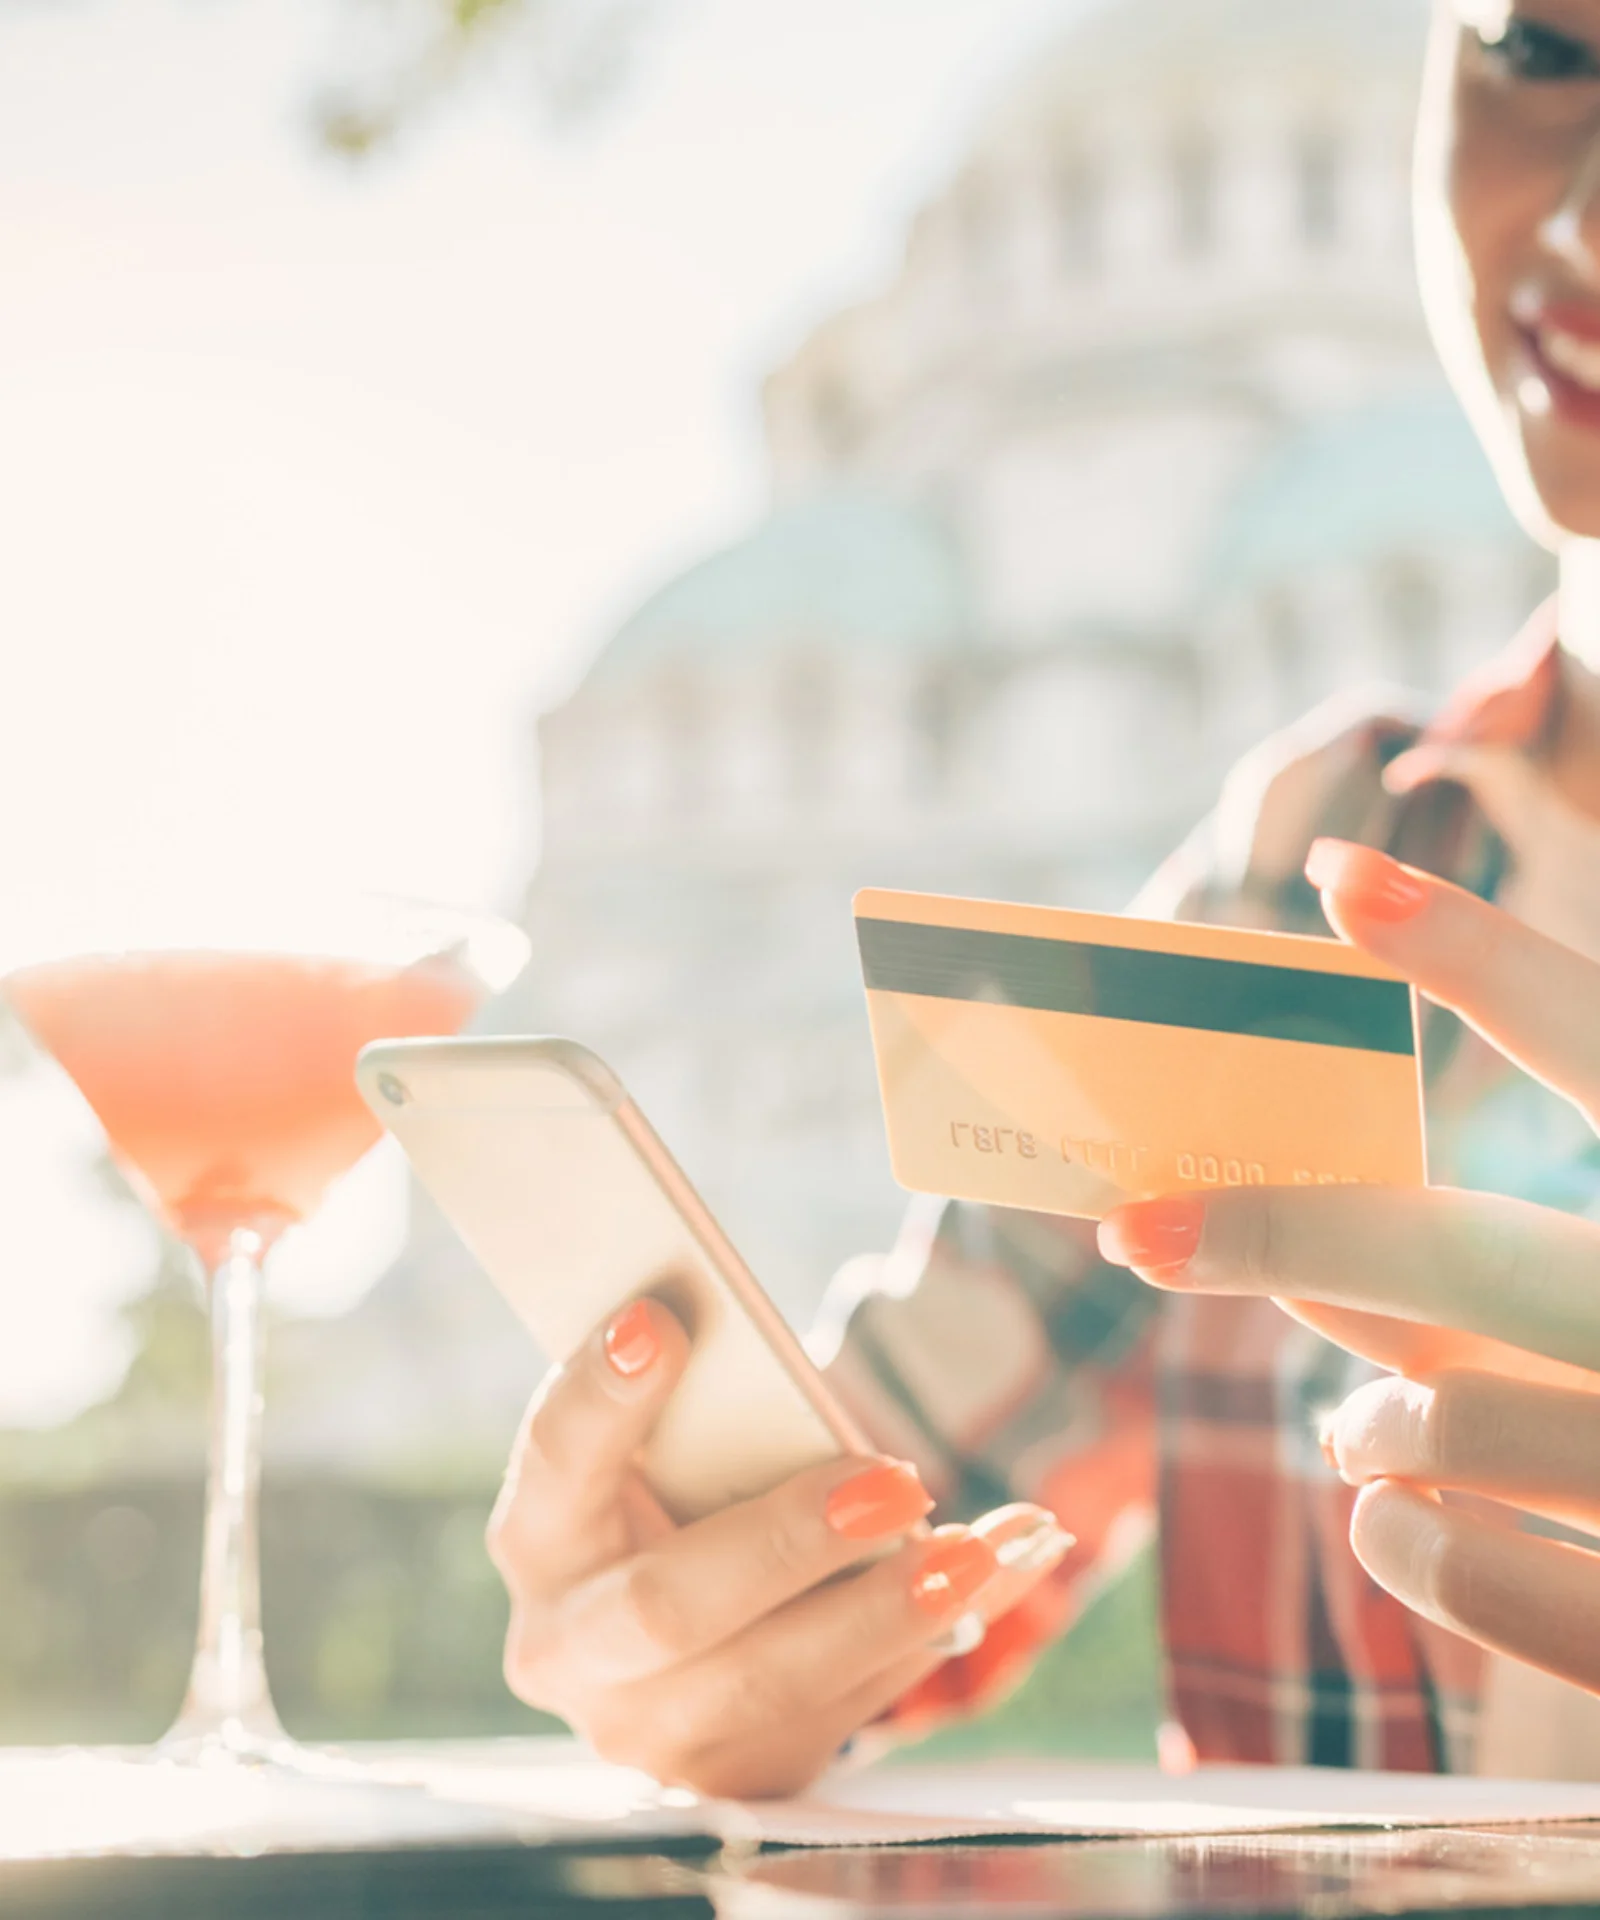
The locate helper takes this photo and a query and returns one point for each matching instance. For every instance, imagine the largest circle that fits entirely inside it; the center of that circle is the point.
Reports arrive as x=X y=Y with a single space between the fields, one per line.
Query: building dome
x=1395 y=476
x=851 y=571
x=1122 y=44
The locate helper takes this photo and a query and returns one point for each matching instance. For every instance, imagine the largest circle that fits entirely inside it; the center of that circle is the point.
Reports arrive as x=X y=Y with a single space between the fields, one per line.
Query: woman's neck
x=1580 y=601
x=1575 y=751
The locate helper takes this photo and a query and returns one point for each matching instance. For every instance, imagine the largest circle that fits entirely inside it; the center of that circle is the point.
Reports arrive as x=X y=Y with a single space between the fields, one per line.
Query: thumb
x=1503 y=781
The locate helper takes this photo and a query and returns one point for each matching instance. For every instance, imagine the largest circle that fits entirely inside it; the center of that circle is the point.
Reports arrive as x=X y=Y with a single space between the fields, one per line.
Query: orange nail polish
x=885 y=1499
x=1158 y=1236
x=952 y=1574
x=1366 y=881
x=631 y=1344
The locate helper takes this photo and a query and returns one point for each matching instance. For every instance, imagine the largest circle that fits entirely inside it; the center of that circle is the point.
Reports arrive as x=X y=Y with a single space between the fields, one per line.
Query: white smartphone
x=566 y=1196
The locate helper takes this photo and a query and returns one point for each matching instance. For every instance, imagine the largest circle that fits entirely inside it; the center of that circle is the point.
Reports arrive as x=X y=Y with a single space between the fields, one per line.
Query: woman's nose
x=1572 y=231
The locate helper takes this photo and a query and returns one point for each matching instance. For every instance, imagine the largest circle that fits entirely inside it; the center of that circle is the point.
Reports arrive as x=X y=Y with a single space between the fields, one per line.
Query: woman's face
x=1508 y=231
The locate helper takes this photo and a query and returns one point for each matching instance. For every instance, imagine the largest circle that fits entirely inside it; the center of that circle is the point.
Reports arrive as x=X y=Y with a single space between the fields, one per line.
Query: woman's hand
x=737 y=1655
x=1489 y=1306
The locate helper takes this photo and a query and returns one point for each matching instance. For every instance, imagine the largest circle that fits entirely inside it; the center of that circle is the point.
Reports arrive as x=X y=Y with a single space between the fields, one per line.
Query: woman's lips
x=1561 y=339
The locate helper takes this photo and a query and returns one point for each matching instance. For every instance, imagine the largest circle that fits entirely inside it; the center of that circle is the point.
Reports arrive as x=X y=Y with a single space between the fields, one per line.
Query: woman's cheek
x=1503 y=179
x=1498 y=204
x=1463 y=233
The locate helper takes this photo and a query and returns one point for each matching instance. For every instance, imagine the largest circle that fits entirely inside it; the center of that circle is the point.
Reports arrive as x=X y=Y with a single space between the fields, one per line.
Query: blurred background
x=652 y=466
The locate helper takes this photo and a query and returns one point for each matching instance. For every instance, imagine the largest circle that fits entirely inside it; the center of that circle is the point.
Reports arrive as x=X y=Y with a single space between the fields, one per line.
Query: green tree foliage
x=565 y=58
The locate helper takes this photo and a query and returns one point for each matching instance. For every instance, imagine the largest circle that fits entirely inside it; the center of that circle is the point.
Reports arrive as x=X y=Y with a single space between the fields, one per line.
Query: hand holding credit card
x=1067 y=1062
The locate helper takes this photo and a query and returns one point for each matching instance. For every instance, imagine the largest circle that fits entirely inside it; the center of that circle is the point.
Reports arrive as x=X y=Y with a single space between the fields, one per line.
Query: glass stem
x=228 y=1704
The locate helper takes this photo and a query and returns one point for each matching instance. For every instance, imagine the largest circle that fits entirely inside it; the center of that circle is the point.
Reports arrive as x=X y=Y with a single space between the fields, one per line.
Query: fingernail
x=1026 y=1539
x=1325 y=1434
x=631 y=1344
x=952 y=1574
x=965 y=1637
x=1157 y=1236
x=885 y=1499
x=1035 y=1548
x=1366 y=881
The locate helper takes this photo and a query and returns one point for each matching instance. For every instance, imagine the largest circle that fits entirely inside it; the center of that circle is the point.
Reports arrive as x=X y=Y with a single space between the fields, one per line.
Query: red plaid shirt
x=997 y=1350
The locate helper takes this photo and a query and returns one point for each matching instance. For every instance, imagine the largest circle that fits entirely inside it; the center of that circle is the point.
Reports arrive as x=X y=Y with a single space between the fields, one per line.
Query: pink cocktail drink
x=224 y=1081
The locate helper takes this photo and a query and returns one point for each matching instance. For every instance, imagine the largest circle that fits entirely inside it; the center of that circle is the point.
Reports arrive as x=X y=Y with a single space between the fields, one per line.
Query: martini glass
x=219 y=1057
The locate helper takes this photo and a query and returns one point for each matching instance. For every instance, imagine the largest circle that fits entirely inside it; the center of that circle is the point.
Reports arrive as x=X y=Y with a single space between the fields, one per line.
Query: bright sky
x=314 y=481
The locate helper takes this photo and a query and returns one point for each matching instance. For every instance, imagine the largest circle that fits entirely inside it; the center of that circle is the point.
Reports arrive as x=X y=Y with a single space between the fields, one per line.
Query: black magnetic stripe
x=1129 y=983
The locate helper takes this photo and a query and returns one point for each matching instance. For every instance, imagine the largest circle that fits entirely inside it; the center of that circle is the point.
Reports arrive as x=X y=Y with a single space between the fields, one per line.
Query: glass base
x=258 y=1742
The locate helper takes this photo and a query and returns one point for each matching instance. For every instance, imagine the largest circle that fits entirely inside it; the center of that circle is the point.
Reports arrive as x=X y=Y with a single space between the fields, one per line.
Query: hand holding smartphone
x=565 y=1194
x=735 y=1654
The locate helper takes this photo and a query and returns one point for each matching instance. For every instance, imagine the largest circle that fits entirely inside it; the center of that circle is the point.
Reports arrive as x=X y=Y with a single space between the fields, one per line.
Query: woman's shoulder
x=1321 y=775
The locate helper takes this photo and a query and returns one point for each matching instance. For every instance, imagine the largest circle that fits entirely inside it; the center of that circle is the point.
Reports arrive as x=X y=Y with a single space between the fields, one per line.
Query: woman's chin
x=1553 y=483
x=1560 y=513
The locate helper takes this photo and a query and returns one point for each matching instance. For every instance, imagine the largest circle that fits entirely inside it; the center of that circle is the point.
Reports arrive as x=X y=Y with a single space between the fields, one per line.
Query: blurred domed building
x=1143 y=451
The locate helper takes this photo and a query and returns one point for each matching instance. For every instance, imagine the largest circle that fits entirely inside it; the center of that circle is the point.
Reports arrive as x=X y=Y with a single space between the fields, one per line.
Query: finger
x=907 y=1605
x=561 y=1511
x=703 y=1584
x=1478 y=1262
x=1535 y=1000
x=1533 y=1599
x=1416 y=1348
x=788 y=1667
x=1507 y=784
x=786 y=1759
x=780 y=1701
x=1555 y=840
x=874 y=1698
x=1029 y=1543
x=1529 y=1447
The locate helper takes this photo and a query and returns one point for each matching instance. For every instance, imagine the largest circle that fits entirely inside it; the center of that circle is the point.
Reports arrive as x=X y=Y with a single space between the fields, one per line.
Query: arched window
x=1194 y=193
x=1318 y=179
x=1079 y=211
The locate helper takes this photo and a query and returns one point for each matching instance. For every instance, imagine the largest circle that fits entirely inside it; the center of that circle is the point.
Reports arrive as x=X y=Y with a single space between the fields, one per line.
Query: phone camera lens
x=393 y=1090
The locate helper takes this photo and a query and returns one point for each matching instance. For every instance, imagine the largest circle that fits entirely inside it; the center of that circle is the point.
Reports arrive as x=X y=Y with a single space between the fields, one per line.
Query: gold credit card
x=1066 y=1062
